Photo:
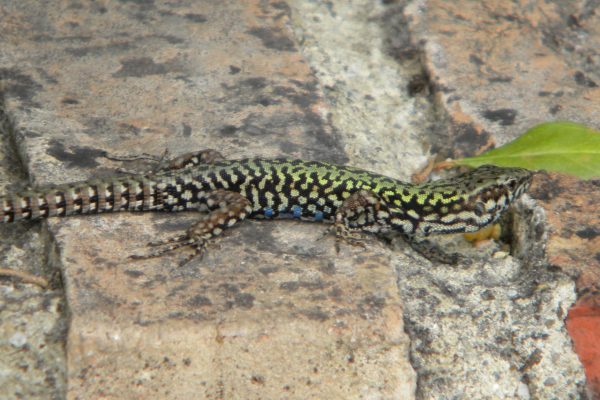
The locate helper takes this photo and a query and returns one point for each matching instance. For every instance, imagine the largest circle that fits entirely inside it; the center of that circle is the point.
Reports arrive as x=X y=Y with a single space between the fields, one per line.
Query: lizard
x=356 y=201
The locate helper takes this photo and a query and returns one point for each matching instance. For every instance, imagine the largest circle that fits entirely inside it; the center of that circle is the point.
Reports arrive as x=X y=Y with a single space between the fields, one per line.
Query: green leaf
x=564 y=147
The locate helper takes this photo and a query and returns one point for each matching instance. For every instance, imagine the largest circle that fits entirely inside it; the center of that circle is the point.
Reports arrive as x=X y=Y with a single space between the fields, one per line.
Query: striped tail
x=131 y=193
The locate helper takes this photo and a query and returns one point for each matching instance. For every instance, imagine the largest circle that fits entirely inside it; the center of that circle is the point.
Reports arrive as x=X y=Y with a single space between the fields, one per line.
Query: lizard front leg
x=432 y=251
x=363 y=211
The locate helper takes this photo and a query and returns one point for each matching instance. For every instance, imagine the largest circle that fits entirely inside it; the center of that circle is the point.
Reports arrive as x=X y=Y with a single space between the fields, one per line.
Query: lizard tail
x=92 y=197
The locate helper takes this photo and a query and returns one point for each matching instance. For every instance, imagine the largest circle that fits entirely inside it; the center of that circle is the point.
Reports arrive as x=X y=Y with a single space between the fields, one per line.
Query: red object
x=583 y=324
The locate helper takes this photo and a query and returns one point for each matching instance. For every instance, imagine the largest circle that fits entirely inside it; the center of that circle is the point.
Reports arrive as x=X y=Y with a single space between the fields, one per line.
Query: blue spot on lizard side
x=297 y=211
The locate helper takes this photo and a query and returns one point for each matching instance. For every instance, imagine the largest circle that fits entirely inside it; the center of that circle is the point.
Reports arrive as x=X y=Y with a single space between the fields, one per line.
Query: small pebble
x=18 y=340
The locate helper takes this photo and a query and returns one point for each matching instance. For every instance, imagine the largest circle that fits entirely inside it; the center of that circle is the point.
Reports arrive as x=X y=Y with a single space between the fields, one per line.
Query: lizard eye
x=479 y=209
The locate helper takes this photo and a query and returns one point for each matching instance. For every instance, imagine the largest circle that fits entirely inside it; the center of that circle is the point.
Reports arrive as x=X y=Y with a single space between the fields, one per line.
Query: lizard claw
x=198 y=252
x=173 y=244
x=353 y=238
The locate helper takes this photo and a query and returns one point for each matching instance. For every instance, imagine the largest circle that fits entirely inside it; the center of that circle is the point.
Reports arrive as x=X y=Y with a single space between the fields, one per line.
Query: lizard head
x=470 y=201
x=488 y=191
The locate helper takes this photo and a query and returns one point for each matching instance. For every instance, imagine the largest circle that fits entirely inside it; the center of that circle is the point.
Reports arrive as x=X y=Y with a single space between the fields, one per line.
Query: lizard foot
x=172 y=244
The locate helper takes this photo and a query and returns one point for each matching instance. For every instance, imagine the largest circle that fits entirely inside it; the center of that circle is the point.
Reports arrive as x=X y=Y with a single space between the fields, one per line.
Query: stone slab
x=32 y=318
x=498 y=68
x=269 y=312
x=574 y=215
x=494 y=328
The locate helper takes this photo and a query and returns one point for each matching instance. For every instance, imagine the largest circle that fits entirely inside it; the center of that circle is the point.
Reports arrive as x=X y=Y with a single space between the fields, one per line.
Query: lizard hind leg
x=165 y=163
x=226 y=209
